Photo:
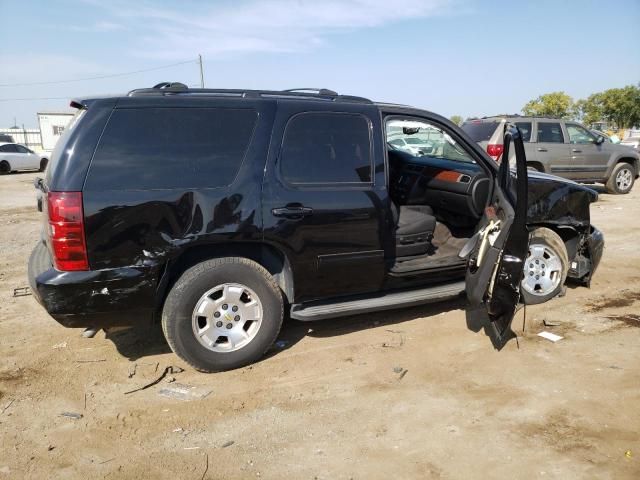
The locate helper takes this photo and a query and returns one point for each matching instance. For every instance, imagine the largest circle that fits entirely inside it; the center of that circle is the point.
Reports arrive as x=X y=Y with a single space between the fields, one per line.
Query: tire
x=546 y=267
x=5 y=168
x=221 y=345
x=43 y=164
x=622 y=179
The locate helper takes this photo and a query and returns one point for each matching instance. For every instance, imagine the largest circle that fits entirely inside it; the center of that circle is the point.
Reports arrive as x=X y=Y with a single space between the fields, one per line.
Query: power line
x=56 y=82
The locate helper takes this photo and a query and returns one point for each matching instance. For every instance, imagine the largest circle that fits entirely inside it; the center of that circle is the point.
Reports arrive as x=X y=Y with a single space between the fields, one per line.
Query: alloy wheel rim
x=227 y=317
x=623 y=179
x=542 y=270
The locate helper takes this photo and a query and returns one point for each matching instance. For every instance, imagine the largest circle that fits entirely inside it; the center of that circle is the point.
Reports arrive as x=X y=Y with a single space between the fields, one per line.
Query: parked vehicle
x=5 y=138
x=633 y=142
x=563 y=148
x=412 y=145
x=15 y=157
x=262 y=204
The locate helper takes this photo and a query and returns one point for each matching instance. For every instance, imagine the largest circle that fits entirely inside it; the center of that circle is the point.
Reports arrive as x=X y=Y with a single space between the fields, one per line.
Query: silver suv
x=562 y=147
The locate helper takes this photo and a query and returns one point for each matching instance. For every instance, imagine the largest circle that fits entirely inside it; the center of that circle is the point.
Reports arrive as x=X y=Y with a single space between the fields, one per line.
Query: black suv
x=218 y=212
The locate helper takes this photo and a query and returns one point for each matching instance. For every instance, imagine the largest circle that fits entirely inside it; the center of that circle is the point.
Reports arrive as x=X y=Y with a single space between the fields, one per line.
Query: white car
x=413 y=145
x=15 y=157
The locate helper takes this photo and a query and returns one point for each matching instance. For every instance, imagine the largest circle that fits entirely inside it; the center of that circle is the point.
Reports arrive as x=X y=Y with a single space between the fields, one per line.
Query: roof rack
x=177 y=88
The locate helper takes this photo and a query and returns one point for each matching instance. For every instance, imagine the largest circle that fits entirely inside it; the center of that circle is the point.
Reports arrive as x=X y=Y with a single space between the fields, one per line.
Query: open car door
x=497 y=251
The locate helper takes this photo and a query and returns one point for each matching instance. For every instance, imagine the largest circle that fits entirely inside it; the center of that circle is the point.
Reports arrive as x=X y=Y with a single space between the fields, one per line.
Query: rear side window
x=550 y=132
x=480 y=131
x=8 y=148
x=525 y=130
x=171 y=148
x=326 y=148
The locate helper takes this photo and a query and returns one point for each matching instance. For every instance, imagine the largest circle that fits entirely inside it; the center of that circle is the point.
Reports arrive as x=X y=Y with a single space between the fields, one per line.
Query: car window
x=398 y=142
x=22 y=149
x=480 y=131
x=525 y=130
x=577 y=134
x=425 y=139
x=550 y=132
x=325 y=147
x=171 y=148
x=10 y=148
x=6 y=138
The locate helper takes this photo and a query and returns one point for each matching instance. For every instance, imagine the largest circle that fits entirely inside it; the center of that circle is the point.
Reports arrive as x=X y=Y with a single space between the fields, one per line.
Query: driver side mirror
x=599 y=140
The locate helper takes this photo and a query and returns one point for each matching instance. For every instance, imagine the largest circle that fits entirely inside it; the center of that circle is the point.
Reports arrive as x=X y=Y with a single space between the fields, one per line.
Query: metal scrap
x=21 y=292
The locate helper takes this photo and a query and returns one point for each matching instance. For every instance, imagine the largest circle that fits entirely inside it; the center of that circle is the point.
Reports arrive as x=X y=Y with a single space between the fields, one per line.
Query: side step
x=381 y=301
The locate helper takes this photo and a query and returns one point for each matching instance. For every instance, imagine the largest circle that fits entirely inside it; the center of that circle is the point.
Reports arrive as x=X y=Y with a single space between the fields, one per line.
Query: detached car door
x=497 y=252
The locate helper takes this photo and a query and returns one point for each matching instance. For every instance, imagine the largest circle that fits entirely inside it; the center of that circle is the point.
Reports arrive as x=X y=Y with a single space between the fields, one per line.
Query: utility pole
x=201 y=71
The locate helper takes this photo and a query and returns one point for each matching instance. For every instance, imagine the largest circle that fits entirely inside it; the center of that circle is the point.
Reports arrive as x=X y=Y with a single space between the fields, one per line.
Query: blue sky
x=466 y=57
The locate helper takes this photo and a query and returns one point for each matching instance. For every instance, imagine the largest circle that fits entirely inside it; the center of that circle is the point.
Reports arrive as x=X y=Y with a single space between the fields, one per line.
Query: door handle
x=575 y=150
x=292 y=212
x=542 y=149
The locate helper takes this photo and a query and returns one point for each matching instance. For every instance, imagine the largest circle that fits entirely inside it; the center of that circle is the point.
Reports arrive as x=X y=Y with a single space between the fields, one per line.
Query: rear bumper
x=96 y=298
x=595 y=243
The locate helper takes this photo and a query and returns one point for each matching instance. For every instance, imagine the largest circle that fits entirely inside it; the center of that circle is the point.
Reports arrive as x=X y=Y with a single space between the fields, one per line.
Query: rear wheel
x=621 y=179
x=43 y=164
x=4 y=167
x=223 y=314
x=546 y=267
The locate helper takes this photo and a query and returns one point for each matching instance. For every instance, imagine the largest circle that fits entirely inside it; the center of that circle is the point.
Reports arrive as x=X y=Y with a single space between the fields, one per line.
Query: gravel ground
x=403 y=394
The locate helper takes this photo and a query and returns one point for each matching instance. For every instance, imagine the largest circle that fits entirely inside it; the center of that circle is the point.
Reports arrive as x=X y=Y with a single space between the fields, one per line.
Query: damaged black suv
x=220 y=212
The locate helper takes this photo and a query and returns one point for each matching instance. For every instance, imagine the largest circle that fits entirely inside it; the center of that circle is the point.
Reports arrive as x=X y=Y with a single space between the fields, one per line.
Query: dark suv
x=218 y=212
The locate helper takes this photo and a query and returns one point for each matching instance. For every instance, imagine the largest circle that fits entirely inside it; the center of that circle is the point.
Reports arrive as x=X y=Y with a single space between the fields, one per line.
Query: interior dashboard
x=451 y=188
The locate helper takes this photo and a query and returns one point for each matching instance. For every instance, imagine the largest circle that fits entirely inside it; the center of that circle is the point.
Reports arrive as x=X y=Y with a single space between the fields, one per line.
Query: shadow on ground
x=140 y=342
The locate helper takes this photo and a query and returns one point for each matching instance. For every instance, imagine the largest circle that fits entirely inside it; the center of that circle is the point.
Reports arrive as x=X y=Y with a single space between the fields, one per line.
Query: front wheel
x=546 y=267
x=621 y=179
x=223 y=314
x=4 y=167
x=43 y=164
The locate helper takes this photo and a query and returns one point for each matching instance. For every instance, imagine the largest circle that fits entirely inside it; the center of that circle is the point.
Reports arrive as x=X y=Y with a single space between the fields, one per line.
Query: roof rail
x=177 y=88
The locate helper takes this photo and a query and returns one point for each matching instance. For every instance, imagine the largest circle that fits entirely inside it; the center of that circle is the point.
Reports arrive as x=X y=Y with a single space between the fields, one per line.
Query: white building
x=52 y=124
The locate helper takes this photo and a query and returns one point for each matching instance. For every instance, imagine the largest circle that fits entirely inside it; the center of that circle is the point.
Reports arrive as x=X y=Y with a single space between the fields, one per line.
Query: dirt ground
x=403 y=394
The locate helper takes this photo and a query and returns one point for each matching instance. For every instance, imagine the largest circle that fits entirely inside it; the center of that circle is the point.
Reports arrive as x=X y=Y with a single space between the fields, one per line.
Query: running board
x=384 y=301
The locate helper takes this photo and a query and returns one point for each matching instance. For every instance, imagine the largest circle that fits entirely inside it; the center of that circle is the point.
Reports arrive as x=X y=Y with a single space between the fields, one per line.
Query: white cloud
x=258 y=26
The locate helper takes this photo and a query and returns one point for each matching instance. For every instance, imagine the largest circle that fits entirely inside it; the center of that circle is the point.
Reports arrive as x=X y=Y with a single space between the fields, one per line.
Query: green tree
x=457 y=119
x=589 y=110
x=621 y=105
x=554 y=104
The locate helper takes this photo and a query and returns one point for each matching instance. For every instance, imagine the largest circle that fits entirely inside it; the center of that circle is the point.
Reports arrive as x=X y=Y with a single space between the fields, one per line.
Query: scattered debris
x=7 y=406
x=281 y=344
x=75 y=416
x=132 y=371
x=628 y=454
x=550 y=336
x=177 y=430
x=21 y=292
x=228 y=444
x=615 y=367
x=168 y=370
x=89 y=332
x=60 y=345
x=50 y=447
x=91 y=361
x=550 y=323
x=191 y=448
x=180 y=391
x=107 y=461
x=402 y=375
x=398 y=369
x=206 y=468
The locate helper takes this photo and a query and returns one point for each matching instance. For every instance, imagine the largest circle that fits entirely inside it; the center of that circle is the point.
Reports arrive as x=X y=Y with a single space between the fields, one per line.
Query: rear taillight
x=66 y=231
x=495 y=151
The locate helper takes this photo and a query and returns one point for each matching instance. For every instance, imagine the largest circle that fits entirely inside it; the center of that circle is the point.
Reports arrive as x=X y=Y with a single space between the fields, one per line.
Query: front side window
x=325 y=147
x=550 y=132
x=171 y=148
x=22 y=149
x=580 y=135
x=424 y=139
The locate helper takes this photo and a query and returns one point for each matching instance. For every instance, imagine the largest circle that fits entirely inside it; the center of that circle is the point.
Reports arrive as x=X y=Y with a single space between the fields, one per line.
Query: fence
x=29 y=137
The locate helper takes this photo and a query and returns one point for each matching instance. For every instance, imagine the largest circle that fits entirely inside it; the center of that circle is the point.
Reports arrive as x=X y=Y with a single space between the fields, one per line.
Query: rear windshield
x=480 y=131
x=171 y=148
